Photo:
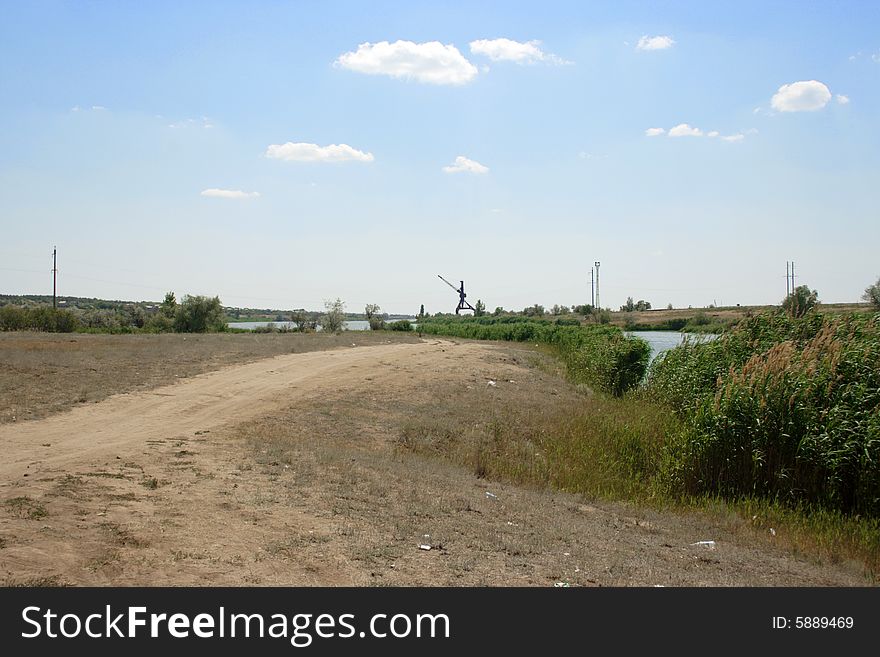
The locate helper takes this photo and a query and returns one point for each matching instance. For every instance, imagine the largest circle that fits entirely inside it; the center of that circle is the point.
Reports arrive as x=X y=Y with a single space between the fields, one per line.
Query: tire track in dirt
x=203 y=402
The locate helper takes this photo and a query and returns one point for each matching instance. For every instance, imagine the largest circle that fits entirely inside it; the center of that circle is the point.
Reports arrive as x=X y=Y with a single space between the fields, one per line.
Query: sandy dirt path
x=201 y=403
x=289 y=471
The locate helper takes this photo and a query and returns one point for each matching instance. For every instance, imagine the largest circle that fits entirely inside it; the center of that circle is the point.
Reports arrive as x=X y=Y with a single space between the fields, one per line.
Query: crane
x=462 y=304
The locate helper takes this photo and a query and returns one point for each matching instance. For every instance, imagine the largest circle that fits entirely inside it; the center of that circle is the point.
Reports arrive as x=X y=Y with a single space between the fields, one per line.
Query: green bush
x=333 y=319
x=599 y=355
x=199 y=314
x=13 y=318
x=780 y=408
x=41 y=318
x=400 y=325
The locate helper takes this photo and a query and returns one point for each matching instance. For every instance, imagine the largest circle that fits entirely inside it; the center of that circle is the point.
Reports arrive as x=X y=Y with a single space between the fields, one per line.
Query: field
x=321 y=460
x=717 y=316
x=43 y=373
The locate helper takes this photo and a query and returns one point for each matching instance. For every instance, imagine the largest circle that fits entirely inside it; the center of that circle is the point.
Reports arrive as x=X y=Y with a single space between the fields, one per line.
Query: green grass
x=779 y=409
x=596 y=355
x=774 y=425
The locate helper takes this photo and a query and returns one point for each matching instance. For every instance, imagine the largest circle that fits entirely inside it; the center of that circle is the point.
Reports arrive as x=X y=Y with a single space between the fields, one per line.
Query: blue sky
x=692 y=148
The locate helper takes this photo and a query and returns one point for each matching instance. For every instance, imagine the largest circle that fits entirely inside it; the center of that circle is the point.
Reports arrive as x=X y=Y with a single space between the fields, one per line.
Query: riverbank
x=311 y=469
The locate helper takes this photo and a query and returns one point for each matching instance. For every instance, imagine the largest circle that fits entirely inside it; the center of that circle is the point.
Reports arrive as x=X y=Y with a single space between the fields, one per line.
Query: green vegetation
x=601 y=356
x=198 y=314
x=334 y=316
x=630 y=306
x=782 y=409
x=400 y=325
x=775 y=424
x=872 y=295
x=376 y=321
x=801 y=301
x=42 y=318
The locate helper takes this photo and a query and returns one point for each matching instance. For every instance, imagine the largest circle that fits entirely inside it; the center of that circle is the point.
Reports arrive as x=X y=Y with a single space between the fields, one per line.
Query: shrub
x=801 y=301
x=199 y=314
x=13 y=318
x=401 y=325
x=597 y=355
x=41 y=318
x=782 y=408
x=872 y=295
x=333 y=319
x=375 y=320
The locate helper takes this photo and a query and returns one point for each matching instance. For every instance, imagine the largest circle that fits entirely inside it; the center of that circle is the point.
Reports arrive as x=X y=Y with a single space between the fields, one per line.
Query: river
x=661 y=341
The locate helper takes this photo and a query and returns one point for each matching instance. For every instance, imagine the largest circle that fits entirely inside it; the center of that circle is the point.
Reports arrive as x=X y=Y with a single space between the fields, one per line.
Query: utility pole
x=597 y=285
x=787 y=281
x=592 y=289
x=792 y=277
x=54 y=275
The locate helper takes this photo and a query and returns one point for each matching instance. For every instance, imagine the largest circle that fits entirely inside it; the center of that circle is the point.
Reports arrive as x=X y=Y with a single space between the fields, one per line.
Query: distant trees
x=333 y=318
x=480 y=308
x=800 y=302
x=421 y=314
x=498 y=311
x=41 y=318
x=631 y=305
x=534 y=311
x=559 y=310
x=872 y=294
x=371 y=311
x=169 y=305
x=199 y=314
x=585 y=309
x=302 y=321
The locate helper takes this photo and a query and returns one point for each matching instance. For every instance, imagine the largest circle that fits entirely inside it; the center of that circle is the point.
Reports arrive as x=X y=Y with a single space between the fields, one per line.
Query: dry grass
x=42 y=373
x=327 y=491
x=500 y=480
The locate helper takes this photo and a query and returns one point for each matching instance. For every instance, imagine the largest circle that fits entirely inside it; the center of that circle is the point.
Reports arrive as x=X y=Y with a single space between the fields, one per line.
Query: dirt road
x=287 y=471
x=129 y=422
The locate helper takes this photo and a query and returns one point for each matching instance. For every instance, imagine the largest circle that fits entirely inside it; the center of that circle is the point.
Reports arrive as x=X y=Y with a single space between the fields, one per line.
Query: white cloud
x=229 y=193
x=660 y=42
x=684 y=130
x=430 y=62
x=98 y=108
x=803 y=96
x=302 y=152
x=507 y=50
x=842 y=100
x=205 y=122
x=463 y=164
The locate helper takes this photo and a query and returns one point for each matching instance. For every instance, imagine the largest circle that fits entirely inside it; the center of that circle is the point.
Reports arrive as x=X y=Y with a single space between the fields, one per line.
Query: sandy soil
x=288 y=471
